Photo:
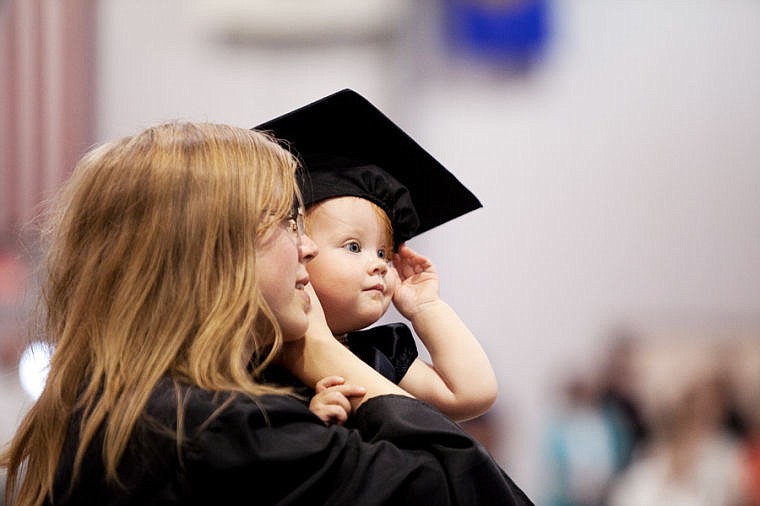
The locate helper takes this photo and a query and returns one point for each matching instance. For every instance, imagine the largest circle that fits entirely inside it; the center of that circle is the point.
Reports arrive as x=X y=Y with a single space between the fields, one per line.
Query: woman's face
x=281 y=269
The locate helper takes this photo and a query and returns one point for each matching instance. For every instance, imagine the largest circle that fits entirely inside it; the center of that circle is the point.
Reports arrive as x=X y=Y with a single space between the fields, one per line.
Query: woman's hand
x=331 y=402
x=319 y=355
x=291 y=354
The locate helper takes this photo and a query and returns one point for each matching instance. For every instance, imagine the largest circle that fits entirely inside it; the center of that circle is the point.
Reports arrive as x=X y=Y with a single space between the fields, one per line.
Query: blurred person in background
x=692 y=460
x=583 y=442
x=619 y=396
x=750 y=455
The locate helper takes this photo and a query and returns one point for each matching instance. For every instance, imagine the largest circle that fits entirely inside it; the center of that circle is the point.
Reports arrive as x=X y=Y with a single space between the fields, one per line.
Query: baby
x=360 y=214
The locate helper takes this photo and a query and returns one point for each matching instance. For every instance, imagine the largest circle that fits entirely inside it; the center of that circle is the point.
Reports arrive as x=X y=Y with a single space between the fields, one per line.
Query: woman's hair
x=150 y=272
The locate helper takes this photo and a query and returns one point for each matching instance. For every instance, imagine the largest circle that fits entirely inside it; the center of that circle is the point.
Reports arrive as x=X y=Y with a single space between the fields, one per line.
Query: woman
x=175 y=275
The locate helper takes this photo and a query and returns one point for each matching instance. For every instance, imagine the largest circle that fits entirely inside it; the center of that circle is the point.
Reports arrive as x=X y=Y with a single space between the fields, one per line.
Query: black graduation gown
x=389 y=349
x=273 y=450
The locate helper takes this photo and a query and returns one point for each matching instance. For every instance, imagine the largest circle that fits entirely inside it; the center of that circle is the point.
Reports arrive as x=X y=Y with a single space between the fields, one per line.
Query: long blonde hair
x=150 y=272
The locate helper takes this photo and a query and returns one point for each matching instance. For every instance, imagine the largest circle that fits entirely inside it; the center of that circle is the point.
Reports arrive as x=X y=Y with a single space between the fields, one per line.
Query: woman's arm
x=319 y=355
x=460 y=382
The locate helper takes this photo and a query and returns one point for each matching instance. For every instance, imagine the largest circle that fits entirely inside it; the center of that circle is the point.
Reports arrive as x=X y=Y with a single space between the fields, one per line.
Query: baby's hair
x=382 y=216
x=385 y=222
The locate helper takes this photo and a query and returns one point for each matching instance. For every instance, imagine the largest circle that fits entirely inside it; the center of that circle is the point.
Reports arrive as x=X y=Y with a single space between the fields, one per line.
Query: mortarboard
x=350 y=148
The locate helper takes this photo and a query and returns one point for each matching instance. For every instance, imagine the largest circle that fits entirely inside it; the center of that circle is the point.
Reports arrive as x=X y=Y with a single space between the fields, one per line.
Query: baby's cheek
x=392 y=279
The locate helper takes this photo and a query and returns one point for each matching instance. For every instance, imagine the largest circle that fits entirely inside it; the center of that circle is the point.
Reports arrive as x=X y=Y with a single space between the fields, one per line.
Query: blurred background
x=613 y=274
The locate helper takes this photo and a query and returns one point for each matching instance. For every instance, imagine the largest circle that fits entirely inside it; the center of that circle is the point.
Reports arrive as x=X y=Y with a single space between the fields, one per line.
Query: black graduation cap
x=349 y=147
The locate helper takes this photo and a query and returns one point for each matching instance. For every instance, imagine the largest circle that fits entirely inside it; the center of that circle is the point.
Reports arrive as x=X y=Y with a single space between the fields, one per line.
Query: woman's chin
x=294 y=330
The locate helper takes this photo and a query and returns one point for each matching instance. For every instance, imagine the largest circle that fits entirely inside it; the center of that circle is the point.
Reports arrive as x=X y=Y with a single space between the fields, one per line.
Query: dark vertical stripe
x=68 y=34
x=9 y=69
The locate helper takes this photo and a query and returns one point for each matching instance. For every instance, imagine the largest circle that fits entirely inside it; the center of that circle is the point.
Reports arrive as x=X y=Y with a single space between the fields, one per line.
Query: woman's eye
x=353 y=247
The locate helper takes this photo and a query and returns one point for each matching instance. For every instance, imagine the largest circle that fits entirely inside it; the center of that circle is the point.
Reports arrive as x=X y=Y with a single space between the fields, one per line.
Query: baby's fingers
x=328 y=382
x=408 y=262
x=332 y=414
x=332 y=405
x=339 y=395
x=350 y=390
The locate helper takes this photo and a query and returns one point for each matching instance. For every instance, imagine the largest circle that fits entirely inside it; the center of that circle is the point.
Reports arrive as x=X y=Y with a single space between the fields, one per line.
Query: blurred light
x=298 y=21
x=511 y=33
x=33 y=368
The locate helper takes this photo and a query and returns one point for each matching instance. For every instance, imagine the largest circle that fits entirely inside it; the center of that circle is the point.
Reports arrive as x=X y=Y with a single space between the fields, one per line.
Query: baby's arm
x=460 y=382
x=331 y=401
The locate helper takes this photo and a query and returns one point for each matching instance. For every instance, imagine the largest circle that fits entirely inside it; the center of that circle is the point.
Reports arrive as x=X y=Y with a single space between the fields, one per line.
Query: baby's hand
x=417 y=281
x=331 y=403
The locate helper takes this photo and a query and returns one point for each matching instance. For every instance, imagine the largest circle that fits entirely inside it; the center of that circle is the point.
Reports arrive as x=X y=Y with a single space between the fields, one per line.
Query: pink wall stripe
x=47 y=81
x=9 y=140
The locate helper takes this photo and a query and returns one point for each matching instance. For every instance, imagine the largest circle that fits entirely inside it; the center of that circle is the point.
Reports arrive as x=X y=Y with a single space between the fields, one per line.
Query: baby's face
x=351 y=273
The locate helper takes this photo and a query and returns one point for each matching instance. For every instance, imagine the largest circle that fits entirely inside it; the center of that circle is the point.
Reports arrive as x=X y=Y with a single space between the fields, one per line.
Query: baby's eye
x=353 y=247
x=382 y=254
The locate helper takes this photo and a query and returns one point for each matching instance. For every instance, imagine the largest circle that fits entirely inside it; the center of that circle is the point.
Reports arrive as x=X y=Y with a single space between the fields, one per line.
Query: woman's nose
x=307 y=249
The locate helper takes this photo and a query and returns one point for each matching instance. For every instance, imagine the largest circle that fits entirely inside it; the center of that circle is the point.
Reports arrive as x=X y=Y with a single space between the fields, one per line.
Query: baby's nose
x=379 y=266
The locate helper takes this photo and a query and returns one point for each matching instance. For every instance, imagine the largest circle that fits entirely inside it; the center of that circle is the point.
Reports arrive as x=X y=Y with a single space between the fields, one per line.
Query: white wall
x=620 y=179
